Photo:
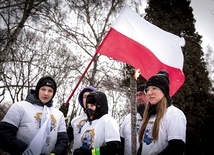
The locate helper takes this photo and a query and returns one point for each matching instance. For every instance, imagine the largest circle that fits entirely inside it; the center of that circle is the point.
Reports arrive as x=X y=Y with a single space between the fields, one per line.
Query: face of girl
x=154 y=94
x=84 y=98
x=45 y=94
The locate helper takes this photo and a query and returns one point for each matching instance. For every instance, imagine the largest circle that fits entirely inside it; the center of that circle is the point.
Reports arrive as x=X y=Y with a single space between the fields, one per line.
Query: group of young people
x=34 y=127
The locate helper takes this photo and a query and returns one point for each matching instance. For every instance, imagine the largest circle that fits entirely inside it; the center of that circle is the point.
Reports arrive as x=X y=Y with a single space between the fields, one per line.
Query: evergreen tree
x=194 y=97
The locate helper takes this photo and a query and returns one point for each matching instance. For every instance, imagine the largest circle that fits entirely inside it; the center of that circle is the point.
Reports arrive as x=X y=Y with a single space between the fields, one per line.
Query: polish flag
x=144 y=46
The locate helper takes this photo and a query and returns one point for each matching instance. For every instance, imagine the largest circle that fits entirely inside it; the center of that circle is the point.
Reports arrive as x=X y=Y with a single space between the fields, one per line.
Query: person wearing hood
x=163 y=130
x=100 y=135
x=76 y=124
x=34 y=125
x=125 y=127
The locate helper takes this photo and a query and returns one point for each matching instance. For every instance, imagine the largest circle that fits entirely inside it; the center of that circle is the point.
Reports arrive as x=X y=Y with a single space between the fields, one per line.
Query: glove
x=78 y=152
x=70 y=133
x=64 y=109
x=81 y=151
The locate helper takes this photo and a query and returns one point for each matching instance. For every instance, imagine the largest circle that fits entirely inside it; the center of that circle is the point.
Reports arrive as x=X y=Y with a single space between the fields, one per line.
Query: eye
x=154 y=88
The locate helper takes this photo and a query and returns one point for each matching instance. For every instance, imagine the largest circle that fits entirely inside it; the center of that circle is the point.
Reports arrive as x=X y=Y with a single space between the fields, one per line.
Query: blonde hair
x=160 y=109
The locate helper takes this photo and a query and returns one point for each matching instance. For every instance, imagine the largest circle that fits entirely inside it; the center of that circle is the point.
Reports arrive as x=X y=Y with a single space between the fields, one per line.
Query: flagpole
x=72 y=93
x=133 y=86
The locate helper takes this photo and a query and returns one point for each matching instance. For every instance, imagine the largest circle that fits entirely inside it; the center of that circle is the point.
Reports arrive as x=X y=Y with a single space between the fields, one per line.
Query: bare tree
x=13 y=18
x=59 y=39
x=37 y=56
x=84 y=24
x=14 y=15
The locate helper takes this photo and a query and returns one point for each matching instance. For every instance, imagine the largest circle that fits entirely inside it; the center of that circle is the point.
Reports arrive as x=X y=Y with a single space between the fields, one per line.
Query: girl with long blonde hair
x=163 y=131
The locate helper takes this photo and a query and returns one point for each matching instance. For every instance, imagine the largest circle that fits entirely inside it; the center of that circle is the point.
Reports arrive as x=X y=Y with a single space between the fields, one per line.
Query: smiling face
x=45 y=94
x=154 y=94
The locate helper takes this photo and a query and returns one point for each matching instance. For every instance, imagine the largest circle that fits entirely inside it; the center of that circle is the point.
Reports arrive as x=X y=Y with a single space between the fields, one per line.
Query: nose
x=46 y=92
x=149 y=91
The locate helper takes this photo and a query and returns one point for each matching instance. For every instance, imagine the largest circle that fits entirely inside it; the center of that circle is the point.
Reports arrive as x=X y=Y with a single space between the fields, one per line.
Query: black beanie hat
x=160 y=80
x=141 y=87
x=45 y=81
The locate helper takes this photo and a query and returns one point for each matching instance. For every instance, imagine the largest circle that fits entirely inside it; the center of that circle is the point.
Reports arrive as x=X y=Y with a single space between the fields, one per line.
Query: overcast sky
x=203 y=11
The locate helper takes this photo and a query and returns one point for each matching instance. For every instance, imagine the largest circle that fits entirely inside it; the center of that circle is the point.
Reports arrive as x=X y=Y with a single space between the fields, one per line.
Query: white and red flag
x=144 y=46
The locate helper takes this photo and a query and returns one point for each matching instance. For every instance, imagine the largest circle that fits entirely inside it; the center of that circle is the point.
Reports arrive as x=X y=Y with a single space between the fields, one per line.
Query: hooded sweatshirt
x=102 y=131
x=22 y=122
x=78 y=122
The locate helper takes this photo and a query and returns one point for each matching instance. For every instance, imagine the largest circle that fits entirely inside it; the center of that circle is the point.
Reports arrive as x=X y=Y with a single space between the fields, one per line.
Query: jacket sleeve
x=122 y=145
x=70 y=133
x=112 y=147
x=9 y=143
x=61 y=144
x=175 y=147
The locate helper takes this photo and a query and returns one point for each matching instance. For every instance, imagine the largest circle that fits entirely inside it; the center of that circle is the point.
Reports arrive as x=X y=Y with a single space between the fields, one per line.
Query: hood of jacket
x=80 y=97
x=31 y=97
x=99 y=99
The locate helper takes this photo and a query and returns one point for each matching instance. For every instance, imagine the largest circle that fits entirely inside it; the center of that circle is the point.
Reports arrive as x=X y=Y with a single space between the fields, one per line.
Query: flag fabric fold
x=135 y=41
